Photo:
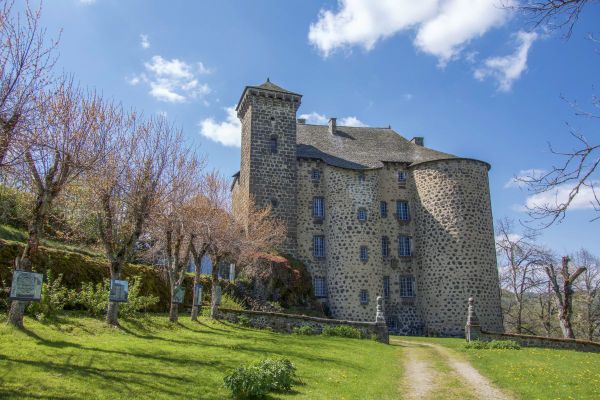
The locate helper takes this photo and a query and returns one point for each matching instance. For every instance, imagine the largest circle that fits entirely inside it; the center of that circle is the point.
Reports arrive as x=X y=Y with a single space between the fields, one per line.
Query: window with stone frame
x=315 y=174
x=383 y=209
x=273 y=145
x=320 y=286
x=364 y=253
x=386 y=287
x=361 y=177
x=319 y=246
x=274 y=203
x=318 y=207
x=364 y=297
x=404 y=246
x=402 y=177
x=407 y=286
x=402 y=211
x=362 y=214
x=385 y=246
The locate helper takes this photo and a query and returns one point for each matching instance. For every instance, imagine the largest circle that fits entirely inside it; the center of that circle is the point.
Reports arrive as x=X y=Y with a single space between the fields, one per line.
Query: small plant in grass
x=229 y=302
x=256 y=380
x=304 y=330
x=494 y=344
x=342 y=331
x=243 y=320
x=53 y=299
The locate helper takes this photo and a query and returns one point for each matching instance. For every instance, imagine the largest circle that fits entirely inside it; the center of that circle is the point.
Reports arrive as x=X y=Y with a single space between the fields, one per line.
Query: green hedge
x=78 y=268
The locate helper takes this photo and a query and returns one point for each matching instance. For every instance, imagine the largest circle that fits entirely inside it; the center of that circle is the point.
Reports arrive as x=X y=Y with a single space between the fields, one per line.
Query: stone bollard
x=382 y=329
x=473 y=328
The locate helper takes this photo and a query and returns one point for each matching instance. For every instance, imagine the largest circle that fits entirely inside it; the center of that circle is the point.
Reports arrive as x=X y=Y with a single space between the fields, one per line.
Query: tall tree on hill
x=521 y=260
x=66 y=140
x=589 y=292
x=172 y=221
x=26 y=61
x=561 y=281
x=124 y=190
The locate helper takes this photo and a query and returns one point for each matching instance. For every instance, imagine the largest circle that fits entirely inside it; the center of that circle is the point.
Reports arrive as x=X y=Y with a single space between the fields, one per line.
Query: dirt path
x=435 y=372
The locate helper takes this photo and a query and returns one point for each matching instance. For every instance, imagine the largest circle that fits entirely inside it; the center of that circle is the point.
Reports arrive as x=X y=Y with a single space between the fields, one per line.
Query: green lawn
x=534 y=373
x=79 y=357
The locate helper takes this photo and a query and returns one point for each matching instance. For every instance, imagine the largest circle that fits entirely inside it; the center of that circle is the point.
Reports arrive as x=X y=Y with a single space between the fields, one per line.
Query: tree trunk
x=519 y=322
x=174 y=311
x=112 y=311
x=196 y=308
x=214 y=308
x=23 y=263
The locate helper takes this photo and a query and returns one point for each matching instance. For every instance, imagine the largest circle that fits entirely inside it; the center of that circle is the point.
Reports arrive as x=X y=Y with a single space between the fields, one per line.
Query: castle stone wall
x=455 y=252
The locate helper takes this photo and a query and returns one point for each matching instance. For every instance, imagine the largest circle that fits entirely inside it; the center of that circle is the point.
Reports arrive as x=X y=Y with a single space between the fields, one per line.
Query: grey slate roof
x=360 y=148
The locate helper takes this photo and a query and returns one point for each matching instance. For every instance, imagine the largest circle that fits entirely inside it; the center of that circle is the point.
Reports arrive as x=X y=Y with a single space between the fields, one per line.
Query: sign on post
x=198 y=295
x=119 y=290
x=178 y=294
x=26 y=286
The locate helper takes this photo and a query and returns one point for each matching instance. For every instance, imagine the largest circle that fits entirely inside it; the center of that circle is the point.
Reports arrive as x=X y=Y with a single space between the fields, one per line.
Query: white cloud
x=314 y=118
x=228 y=132
x=173 y=81
x=320 y=119
x=351 y=121
x=443 y=27
x=144 y=41
x=87 y=2
x=523 y=176
x=509 y=68
x=583 y=200
x=511 y=238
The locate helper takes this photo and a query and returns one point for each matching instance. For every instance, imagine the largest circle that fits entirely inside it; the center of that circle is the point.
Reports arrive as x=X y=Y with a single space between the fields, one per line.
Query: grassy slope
x=533 y=373
x=81 y=358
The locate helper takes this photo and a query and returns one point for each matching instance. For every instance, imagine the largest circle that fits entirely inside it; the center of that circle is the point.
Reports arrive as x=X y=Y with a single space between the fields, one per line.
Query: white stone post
x=473 y=328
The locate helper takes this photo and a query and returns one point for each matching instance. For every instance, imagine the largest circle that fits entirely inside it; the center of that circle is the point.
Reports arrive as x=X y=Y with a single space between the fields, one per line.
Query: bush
x=494 y=344
x=228 y=301
x=342 y=331
x=53 y=300
x=256 y=380
x=243 y=320
x=304 y=330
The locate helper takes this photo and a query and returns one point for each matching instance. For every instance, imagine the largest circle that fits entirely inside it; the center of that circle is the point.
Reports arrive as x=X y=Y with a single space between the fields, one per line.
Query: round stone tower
x=455 y=253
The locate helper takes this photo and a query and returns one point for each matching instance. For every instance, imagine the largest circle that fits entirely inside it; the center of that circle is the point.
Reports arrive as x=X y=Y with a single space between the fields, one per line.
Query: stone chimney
x=332 y=126
x=301 y=121
x=418 y=140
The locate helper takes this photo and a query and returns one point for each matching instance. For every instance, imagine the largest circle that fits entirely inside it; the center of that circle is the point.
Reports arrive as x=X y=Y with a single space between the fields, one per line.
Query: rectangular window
x=361 y=177
x=362 y=214
x=364 y=297
x=385 y=246
x=320 y=287
x=318 y=207
x=404 y=246
x=316 y=174
x=407 y=286
x=401 y=176
x=364 y=253
x=383 y=209
x=402 y=210
x=386 y=287
x=273 y=144
x=319 y=246
x=392 y=323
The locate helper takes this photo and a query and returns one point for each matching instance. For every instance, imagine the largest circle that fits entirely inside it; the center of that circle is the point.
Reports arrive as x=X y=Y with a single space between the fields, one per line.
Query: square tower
x=269 y=166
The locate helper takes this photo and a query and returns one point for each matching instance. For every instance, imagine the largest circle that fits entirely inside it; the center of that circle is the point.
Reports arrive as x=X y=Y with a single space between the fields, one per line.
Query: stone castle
x=373 y=214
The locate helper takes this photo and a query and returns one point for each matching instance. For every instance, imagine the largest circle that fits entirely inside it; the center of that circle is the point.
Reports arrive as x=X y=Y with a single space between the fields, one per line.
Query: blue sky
x=465 y=74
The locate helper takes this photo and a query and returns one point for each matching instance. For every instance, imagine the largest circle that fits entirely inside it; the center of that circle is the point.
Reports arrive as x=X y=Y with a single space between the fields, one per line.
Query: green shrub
x=256 y=380
x=136 y=302
x=304 y=330
x=494 y=344
x=243 y=320
x=342 y=331
x=228 y=301
x=53 y=300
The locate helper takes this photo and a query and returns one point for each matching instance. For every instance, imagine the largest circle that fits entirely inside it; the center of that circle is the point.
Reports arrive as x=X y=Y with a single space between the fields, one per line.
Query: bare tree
x=521 y=259
x=562 y=282
x=555 y=14
x=546 y=308
x=172 y=221
x=66 y=140
x=125 y=189
x=26 y=61
x=589 y=292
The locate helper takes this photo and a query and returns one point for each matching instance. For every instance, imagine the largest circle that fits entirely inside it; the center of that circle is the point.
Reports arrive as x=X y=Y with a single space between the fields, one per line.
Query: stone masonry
x=354 y=172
